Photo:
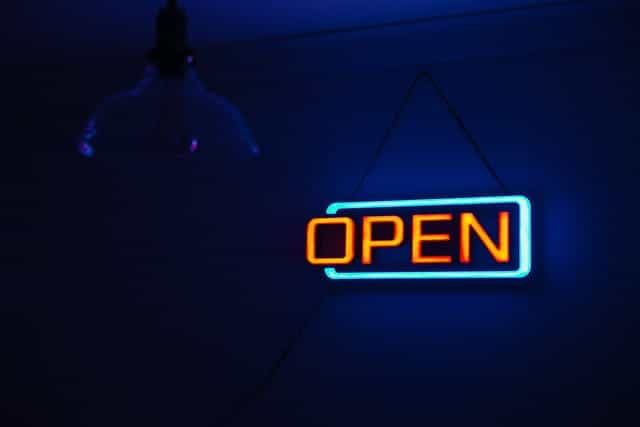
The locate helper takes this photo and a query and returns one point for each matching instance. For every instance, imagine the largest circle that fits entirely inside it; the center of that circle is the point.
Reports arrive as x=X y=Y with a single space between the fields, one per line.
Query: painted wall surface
x=156 y=292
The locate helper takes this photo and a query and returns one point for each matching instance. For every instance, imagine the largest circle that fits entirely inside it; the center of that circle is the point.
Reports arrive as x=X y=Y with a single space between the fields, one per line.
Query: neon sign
x=452 y=238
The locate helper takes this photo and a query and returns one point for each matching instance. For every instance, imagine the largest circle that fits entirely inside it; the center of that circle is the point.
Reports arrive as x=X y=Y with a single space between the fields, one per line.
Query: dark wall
x=160 y=292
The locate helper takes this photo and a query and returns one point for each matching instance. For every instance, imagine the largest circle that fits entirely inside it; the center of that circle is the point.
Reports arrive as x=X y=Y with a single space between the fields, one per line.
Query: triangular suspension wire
x=422 y=75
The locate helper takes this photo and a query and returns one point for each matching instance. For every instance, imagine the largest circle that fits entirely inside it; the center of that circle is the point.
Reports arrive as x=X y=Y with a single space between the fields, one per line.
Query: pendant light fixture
x=169 y=111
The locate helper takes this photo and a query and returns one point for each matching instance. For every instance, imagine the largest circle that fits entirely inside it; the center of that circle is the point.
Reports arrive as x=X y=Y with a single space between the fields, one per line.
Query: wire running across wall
x=292 y=343
x=477 y=13
x=423 y=75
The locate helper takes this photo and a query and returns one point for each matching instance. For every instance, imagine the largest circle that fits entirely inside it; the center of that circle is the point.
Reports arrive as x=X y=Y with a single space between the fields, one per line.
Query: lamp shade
x=166 y=115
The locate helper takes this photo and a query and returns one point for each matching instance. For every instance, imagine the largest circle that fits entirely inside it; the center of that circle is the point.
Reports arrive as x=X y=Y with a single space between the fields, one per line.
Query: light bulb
x=169 y=110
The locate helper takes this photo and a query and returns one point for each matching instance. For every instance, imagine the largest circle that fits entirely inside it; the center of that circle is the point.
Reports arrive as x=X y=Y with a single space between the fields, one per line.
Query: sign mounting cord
x=422 y=75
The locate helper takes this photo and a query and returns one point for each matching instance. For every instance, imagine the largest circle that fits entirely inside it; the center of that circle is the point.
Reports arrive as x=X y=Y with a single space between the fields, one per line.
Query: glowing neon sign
x=452 y=238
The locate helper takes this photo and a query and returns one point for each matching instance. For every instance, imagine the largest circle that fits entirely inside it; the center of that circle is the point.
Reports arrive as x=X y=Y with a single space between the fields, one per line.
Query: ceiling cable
x=407 y=22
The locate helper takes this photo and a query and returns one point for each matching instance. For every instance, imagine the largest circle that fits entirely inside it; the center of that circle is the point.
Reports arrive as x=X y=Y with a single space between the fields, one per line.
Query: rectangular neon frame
x=524 y=267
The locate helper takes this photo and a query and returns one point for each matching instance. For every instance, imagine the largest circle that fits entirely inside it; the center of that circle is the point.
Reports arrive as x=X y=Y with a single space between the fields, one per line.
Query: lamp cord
x=452 y=111
x=255 y=395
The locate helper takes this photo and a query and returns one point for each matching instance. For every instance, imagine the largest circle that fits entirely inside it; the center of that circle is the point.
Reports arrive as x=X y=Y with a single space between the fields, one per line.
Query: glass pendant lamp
x=169 y=111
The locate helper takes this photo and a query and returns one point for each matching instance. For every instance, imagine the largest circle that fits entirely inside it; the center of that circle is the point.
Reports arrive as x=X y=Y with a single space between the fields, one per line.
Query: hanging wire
x=422 y=75
x=253 y=396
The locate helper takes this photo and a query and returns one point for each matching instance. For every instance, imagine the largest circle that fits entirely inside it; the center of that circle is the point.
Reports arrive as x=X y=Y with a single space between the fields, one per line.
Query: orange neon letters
x=468 y=221
x=349 y=252
x=367 y=235
x=418 y=238
x=500 y=253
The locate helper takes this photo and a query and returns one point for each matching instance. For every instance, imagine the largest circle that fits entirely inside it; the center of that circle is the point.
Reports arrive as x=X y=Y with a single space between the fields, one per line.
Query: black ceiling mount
x=171 y=53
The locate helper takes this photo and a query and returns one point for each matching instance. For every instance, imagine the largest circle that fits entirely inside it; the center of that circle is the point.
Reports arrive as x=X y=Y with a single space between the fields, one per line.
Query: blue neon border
x=525 y=239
